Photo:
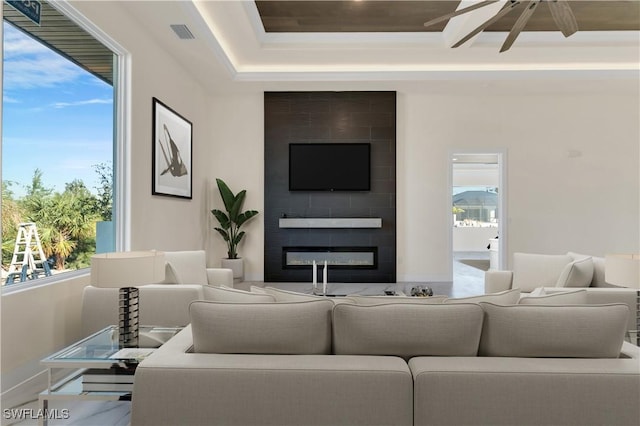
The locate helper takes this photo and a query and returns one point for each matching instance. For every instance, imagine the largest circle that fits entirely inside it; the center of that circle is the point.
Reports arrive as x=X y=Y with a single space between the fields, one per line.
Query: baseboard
x=25 y=391
x=28 y=390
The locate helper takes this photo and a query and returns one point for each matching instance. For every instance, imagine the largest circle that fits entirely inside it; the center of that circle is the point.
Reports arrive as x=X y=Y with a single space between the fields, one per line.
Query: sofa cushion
x=507 y=297
x=407 y=330
x=226 y=294
x=262 y=328
x=290 y=296
x=257 y=289
x=537 y=270
x=591 y=331
x=577 y=273
x=569 y=297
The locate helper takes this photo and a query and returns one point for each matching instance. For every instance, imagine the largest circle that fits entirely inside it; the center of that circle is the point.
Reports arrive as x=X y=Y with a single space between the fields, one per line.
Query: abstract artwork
x=172 y=152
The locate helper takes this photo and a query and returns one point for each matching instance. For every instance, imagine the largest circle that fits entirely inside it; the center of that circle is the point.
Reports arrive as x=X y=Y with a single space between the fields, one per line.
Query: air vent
x=182 y=31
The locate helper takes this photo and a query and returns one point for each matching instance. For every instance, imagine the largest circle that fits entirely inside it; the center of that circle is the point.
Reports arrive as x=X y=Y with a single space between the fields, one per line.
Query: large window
x=57 y=147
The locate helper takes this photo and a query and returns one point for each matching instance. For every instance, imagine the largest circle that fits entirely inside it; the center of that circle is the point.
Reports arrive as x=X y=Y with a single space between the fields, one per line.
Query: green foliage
x=231 y=220
x=105 y=190
x=65 y=220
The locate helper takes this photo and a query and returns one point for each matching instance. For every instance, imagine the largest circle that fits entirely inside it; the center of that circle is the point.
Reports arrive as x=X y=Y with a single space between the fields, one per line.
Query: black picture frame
x=172 y=153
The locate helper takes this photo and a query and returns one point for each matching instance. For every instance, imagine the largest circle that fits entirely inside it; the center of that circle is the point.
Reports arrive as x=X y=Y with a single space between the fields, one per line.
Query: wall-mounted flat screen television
x=329 y=167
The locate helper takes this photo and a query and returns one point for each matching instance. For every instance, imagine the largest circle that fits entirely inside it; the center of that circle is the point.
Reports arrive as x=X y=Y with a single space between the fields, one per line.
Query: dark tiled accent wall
x=326 y=117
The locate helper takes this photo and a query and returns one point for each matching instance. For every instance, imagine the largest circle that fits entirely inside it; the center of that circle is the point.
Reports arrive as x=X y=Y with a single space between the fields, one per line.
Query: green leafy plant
x=231 y=220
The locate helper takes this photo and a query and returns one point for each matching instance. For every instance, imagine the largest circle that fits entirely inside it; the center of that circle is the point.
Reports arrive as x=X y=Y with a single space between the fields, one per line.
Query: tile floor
x=468 y=281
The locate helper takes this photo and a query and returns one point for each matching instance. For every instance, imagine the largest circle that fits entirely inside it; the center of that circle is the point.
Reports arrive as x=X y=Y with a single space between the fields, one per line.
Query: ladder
x=28 y=260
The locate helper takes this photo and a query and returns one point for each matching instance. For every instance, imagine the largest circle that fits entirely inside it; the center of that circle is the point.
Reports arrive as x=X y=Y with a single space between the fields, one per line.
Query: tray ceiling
x=409 y=16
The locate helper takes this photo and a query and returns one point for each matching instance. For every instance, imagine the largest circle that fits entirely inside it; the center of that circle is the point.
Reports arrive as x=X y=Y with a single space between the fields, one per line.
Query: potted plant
x=230 y=223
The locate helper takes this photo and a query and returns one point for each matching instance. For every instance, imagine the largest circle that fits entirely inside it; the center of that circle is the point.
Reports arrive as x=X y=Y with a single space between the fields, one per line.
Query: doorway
x=478 y=231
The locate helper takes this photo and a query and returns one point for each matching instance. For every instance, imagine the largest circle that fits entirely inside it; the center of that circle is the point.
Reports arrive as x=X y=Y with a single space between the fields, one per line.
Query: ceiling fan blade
x=519 y=25
x=460 y=12
x=563 y=16
x=508 y=8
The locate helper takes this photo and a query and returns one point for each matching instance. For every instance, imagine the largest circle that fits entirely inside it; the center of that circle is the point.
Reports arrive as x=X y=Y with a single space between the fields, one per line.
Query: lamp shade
x=623 y=270
x=127 y=269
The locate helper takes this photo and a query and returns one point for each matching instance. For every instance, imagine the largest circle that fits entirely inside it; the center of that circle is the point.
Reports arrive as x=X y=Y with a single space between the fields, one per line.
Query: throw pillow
x=570 y=297
x=296 y=328
x=407 y=330
x=170 y=275
x=537 y=270
x=232 y=295
x=598 y=268
x=507 y=297
x=578 y=273
x=587 y=331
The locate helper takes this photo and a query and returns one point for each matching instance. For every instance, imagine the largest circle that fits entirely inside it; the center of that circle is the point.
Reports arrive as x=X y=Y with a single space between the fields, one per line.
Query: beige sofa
x=163 y=304
x=321 y=363
x=561 y=273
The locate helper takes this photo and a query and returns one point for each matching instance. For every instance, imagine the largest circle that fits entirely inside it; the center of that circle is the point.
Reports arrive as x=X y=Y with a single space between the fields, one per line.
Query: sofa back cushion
x=407 y=330
x=537 y=270
x=507 y=297
x=580 y=331
x=232 y=295
x=384 y=300
x=290 y=296
x=296 y=328
x=189 y=266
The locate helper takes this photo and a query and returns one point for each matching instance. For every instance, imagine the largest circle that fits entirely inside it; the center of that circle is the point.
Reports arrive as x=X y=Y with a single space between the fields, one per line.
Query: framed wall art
x=171 y=153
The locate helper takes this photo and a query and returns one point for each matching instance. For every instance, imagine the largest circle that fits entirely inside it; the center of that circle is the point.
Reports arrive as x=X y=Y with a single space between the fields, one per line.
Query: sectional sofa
x=559 y=273
x=321 y=363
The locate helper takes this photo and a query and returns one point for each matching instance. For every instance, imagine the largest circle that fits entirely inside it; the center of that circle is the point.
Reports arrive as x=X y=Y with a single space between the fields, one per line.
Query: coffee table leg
x=43 y=407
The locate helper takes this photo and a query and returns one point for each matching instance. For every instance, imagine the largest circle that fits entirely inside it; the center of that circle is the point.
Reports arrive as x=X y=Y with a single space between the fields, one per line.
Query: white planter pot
x=237 y=266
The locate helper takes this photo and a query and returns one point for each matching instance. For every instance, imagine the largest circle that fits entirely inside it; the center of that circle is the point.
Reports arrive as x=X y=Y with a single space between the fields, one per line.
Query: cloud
x=9 y=100
x=79 y=103
x=28 y=64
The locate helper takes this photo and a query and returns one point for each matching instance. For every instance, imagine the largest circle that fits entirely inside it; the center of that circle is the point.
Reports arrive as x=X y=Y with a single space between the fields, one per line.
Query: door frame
x=502 y=203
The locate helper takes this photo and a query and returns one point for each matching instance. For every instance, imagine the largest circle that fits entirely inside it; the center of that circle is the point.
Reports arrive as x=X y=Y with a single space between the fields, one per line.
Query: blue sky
x=56 y=116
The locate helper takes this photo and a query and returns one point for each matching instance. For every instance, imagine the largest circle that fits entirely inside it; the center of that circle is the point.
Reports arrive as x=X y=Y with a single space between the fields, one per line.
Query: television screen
x=329 y=167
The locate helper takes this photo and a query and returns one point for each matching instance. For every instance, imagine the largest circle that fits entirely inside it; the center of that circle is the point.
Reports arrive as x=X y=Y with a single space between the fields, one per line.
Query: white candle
x=324 y=278
x=315 y=274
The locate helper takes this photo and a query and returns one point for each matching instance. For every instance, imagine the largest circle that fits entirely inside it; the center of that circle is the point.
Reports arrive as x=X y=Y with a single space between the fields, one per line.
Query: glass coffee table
x=100 y=368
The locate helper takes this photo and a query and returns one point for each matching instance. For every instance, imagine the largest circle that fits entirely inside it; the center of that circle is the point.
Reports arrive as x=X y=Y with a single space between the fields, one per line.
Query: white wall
x=588 y=203
x=238 y=159
x=40 y=321
x=157 y=222
x=35 y=323
x=556 y=203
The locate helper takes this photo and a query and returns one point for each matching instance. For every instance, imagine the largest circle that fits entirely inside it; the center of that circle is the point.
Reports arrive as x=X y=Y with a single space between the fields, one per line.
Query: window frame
x=121 y=148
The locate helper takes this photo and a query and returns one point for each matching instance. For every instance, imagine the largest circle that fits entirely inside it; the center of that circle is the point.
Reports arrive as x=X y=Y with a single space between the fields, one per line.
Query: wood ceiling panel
x=409 y=16
x=67 y=38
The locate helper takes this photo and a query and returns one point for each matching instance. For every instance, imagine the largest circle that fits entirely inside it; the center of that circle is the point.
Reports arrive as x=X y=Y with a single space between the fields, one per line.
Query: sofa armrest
x=497 y=281
x=220 y=276
x=160 y=304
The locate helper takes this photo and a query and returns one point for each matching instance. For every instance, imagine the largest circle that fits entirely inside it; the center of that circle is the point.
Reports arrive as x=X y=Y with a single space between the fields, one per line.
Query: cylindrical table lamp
x=126 y=270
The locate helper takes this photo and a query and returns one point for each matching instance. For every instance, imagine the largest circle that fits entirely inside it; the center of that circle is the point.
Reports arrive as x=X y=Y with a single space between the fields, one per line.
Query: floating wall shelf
x=365 y=222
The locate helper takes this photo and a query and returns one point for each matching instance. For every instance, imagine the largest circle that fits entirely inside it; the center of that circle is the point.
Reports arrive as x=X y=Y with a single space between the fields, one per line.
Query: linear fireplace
x=336 y=257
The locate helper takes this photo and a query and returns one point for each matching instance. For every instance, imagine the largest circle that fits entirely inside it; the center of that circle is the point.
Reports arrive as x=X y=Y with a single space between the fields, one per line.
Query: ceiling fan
x=560 y=11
